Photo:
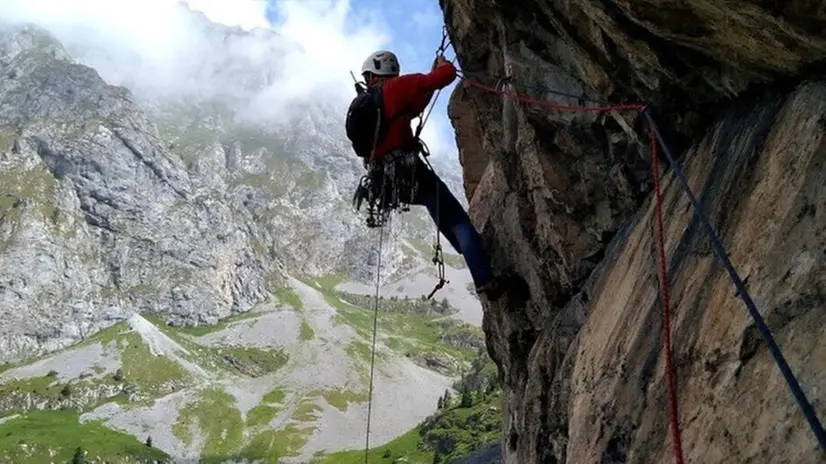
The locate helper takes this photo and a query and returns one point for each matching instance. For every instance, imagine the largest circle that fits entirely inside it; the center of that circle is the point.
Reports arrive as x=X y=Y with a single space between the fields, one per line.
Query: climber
x=393 y=159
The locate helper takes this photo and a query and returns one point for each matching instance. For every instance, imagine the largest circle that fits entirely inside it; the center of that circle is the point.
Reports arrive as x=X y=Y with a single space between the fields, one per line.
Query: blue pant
x=453 y=221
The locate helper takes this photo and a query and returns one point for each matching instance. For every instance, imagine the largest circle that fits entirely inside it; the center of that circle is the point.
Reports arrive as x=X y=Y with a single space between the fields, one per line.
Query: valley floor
x=286 y=382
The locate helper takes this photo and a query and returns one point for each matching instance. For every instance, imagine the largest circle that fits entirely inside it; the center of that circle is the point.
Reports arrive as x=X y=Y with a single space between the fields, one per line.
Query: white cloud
x=155 y=45
x=247 y=14
x=334 y=41
x=159 y=44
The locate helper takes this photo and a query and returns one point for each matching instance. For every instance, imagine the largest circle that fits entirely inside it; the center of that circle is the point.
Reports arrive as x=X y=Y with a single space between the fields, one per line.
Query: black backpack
x=362 y=117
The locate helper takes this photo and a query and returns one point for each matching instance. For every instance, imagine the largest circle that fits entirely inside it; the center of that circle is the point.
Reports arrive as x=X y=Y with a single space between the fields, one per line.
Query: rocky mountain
x=564 y=200
x=99 y=217
x=171 y=270
x=226 y=90
x=170 y=199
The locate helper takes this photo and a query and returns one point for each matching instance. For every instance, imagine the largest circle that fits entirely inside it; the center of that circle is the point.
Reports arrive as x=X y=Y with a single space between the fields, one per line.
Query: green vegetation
x=464 y=423
x=25 y=189
x=275 y=396
x=289 y=297
x=413 y=334
x=6 y=141
x=306 y=411
x=43 y=387
x=407 y=448
x=306 y=333
x=266 y=410
x=54 y=436
x=247 y=361
x=217 y=418
x=329 y=282
x=411 y=326
x=415 y=327
x=250 y=361
x=271 y=445
x=153 y=375
x=471 y=288
x=340 y=399
x=357 y=350
x=261 y=415
x=201 y=330
x=49 y=393
x=404 y=305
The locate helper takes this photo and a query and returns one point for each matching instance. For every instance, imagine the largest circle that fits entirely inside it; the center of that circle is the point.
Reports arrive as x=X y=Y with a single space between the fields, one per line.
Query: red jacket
x=404 y=98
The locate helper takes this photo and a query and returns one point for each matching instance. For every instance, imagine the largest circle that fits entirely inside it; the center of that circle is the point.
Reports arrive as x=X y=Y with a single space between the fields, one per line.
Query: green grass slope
x=46 y=437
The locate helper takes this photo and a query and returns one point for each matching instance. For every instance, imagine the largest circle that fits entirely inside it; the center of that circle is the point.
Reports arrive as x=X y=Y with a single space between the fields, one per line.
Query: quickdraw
x=439 y=261
x=364 y=191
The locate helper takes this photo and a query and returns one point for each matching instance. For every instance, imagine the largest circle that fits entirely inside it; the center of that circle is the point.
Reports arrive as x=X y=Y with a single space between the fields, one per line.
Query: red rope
x=673 y=411
x=669 y=369
x=553 y=105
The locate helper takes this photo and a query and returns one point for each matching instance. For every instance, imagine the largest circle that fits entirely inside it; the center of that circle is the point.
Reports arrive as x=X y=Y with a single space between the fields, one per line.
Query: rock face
x=567 y=210
x=287 y=148
x=97 y=217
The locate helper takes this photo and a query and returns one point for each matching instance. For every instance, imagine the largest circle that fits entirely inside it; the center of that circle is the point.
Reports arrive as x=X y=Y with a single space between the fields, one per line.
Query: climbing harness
x=656 y=139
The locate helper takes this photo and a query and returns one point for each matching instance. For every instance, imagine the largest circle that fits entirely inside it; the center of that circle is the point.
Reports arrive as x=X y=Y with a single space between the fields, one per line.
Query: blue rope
x=765 y=332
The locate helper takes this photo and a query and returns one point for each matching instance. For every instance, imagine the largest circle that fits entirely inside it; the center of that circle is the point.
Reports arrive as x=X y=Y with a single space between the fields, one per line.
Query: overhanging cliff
x=734 y=88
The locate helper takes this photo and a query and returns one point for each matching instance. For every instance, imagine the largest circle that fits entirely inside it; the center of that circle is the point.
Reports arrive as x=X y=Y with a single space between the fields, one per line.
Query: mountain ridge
x=195 y=184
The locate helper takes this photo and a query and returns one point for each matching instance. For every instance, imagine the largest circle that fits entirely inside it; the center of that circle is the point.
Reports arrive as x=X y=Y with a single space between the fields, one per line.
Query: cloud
x=158 y=47
x=247 y=14
x=158 y=44
x=334 y=40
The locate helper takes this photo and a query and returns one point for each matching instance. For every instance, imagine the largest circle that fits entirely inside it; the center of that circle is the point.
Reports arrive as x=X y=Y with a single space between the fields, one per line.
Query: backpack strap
x=382 y=126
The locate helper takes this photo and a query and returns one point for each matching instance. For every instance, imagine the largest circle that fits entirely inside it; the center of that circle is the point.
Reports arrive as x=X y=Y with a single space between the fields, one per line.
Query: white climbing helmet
x=381 y=63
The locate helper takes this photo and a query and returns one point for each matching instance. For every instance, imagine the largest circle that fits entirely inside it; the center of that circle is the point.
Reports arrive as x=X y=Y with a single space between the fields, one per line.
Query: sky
x=335 y=37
